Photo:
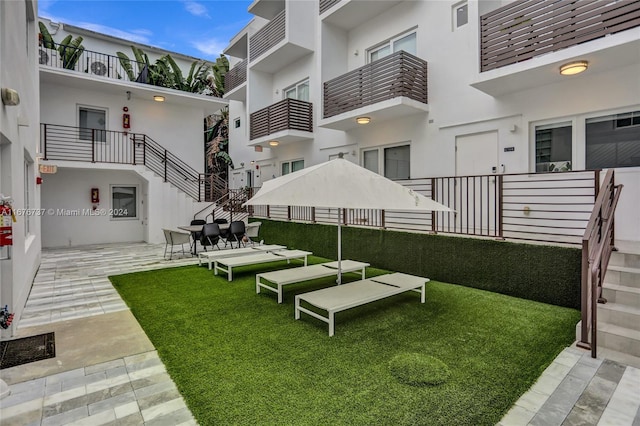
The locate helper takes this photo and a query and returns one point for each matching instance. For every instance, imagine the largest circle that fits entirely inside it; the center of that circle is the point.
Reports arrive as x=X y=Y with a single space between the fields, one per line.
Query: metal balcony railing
x=327 y=4
x=268 y=36
x=528 y=28
x=288 y=114
x=235 y=76
x=399 y=74
x=69 y=143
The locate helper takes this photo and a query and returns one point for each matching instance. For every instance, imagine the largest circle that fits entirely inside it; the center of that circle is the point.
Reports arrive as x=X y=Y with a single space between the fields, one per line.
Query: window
x=613 y=141
x=89 y=118
x=553 y=147
x=236 y=123
x=460 y=14
x=292 y=166
x=393 y=161
x=298 y=91
x=124 y=202
x=406 y=42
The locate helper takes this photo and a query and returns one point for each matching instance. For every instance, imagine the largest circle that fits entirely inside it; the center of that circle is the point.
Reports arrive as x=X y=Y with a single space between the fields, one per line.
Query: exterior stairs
x=619 y=318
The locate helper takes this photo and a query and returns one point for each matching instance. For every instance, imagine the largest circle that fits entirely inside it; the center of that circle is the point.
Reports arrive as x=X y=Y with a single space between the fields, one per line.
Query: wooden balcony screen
x=268 y=36
x=327 y=4
x=399 y=74
x=288 y=114
x=528 y=28
x=236 y=76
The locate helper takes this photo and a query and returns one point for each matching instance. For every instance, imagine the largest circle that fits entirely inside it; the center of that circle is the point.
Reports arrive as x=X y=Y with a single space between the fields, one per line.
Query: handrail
x=597 y=246
x=60 y=142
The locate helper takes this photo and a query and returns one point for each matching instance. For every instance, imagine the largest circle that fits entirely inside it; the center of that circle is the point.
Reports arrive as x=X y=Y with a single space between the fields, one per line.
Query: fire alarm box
x=126 y=121
x=95 y=195
x=6 y=225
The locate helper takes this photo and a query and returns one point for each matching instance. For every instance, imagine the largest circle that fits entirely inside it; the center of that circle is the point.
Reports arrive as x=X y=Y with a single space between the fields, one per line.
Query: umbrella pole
x=339 y=281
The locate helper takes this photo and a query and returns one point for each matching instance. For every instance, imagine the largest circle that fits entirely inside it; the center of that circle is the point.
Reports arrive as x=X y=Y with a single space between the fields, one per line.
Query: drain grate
x=27 y=349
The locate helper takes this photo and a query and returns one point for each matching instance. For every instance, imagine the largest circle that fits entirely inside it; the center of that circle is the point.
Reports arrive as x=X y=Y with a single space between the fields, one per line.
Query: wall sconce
x=274 y=143
x=573 y=68
x=363 y=120
x=10 y=97
x=241 y=164
x=158 y=98
x=128 y=95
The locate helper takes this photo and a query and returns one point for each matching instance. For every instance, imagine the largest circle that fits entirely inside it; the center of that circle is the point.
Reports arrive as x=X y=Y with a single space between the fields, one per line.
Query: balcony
x=523 y=44
x=348 y=14
x=282 y=41
x=235 y=82
x=391 y=87
x=287 y=121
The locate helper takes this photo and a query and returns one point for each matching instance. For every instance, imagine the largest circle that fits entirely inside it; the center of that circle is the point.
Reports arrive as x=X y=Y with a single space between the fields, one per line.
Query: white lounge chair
x=175 y=238
x=209 y=256
x=255 y=259
x=357 y=293
x=295 y=275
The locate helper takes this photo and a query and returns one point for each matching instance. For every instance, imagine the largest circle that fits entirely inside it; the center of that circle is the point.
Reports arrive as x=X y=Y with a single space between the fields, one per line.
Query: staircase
x=619 y=318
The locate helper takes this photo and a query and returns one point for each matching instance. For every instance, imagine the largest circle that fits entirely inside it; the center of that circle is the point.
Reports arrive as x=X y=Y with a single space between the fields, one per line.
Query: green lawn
x=240 y=358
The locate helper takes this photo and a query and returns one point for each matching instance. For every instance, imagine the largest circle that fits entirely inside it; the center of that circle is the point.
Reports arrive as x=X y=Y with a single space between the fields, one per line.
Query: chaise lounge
x=305 y=273
x=255 y=259
x=357 y=293
x=210 y=256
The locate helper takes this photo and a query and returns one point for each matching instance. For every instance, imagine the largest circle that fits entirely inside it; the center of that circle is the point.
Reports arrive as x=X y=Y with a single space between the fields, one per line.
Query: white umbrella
x=341 y=184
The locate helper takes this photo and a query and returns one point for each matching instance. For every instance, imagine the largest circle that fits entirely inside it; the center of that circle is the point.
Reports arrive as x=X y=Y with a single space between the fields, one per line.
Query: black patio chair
x=210 y=235
x=197 y=235
x=236 y=233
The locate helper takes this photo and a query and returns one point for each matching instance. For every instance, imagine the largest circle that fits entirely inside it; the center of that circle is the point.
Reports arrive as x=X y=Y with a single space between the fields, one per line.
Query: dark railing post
x=434 y=198
x=383 y=224
x=44 y=147
x=288 y=212
x=268 y=213
x=165 y=165
x=133 y=146
x=144 y=150
x=313 y=214
x=500 y=206
x=93 y=145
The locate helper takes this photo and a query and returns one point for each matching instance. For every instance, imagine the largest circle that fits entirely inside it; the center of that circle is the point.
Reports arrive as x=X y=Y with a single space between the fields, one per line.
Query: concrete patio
x=106 y=370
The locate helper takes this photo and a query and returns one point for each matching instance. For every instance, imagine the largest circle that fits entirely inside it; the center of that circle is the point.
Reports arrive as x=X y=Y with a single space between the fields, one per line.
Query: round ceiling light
x=363 y=120
x=573 y=68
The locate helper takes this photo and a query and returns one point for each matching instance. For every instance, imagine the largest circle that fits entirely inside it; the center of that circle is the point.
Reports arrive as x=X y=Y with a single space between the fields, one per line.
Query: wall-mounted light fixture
x=573 y=68
x=10 y=97
x=128 y=95
x=363 y=120
x=274 y=143
x=158 y=98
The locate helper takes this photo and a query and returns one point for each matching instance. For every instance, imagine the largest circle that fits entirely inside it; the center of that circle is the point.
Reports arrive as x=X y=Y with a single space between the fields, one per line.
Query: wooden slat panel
x=268 y=36
x=327 y=4
x=236 y=76
x=399 y=74
x=528 y=28
x=288 y=114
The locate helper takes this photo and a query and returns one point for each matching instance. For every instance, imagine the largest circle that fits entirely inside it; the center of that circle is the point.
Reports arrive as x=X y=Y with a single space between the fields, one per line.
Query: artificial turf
x=241 y=358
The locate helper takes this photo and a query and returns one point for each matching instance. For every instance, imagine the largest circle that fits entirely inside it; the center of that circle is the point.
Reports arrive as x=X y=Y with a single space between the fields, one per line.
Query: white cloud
x=196 y=9
x=211 y=48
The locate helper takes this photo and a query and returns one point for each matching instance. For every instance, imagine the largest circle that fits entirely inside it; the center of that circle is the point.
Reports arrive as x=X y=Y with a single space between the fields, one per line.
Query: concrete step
x=622 y=258
x=624 y=295
x=623 y=275
x=620 y=315
x=616 y=338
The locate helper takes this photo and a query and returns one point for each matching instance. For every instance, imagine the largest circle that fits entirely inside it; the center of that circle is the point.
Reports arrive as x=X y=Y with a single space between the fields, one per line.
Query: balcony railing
x=327 y=4
x=68 y=143
x=236 y=76
x=288 y=114
x=399 y=74
x=89 y=62
x=528 y=28
x=268 y=36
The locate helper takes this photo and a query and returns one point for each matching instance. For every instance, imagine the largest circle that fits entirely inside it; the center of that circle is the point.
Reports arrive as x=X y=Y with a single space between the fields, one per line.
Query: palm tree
x=217 y=156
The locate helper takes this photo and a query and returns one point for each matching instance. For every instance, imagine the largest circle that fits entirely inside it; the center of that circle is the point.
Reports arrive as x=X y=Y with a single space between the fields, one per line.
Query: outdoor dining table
x=197 y=228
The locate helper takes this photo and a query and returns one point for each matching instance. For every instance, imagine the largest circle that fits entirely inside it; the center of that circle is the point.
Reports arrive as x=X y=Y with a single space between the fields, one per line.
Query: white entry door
x=475 y=190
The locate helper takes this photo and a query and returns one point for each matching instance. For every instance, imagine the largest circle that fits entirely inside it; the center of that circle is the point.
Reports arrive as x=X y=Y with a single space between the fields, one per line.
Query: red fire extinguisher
x=6 y=223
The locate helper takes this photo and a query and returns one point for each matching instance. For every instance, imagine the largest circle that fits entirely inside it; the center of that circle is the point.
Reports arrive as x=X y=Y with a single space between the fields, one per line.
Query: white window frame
x=389 y=43
x=381 y=159
x=290 y=163
x=296 y=87
x=114 y=208
x=576 y=151
x=93 y=108
x=454 y=14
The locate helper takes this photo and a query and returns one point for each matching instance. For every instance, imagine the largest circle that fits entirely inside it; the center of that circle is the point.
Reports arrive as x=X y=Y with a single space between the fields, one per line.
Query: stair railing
x=597 y=245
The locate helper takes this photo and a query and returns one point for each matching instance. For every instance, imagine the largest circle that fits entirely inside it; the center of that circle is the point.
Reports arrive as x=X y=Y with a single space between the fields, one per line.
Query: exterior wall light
x=573 y=68
x=158 y=98
x=10 y=97
x=274 y=143
x=363 y=120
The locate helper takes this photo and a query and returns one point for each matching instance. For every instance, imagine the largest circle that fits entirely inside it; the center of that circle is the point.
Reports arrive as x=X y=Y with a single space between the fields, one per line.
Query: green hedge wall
x=546 y=274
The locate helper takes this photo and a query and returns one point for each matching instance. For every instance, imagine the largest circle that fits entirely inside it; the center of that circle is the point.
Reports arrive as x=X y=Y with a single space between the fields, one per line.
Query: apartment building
x=420 y=89
x=129 y=156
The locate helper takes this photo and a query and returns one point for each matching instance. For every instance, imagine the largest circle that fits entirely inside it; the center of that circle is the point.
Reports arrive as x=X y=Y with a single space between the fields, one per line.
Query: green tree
x=70 y=48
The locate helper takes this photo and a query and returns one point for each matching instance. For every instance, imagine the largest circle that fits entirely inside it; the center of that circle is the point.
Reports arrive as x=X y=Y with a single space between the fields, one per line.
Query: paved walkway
x=106 y=370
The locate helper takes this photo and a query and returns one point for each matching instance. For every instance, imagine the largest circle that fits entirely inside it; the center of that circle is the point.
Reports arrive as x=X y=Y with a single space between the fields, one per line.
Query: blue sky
x=196 y=28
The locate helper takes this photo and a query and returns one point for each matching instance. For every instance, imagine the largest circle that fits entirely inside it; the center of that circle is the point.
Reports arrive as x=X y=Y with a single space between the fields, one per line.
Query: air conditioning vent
x=49 y=57
x=100 y=68
x=44 y=57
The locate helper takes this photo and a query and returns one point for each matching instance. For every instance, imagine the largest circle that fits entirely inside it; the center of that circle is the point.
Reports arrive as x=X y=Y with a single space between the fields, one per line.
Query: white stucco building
x=478 y=90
